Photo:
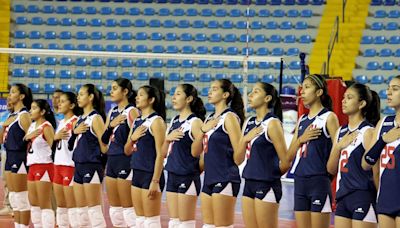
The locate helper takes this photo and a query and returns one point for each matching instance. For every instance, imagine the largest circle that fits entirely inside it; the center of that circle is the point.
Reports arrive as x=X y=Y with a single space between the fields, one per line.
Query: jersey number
x=387 y=158
x=343 y=161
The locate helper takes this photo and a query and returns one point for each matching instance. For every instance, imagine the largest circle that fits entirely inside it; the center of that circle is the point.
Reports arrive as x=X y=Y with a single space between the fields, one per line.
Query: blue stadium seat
x=306 y=13
x=96 y=62
x=244 y=38
x=66 y=87
x=204 y=92
x=250 y=51
x=32 y=9
x=294 y=65
x=206 y=12
x=37 y=46
x=81 y=35
x=187 y=63
x=178 y=12
x=156 y=36
x=18 y=73
x=286 y=25
x=19 y=59
x=32 y=35
x=275 y=38
x=65 y=35
x=394 y=40
x=96 y=22
x=111 y=75
x=305 y=39
x=18 y=8
x=81 y=22
x=230 y=37
x=370 y=52
x=392 y=26
x=142 y=76
x=155 y=23
x=68 y=47
x=142 y=63
x=189 y=77
x=232 y=51
x=76 y=10
x=119 y=11
x=367 y=40
x=301 y=25
x=192 y=12
x=241 y=25
x=234 y=65
x=49 y=73
x=90 y=10
x=200 y=37
x=203 y=64
x=37 y=21
x=128 y=75
x=66 y=21
x=202 y=50
x=382 y=94
x=78 y=87
x=394 y=14
x=80 y=74
x=163 y=12
x=198 y=24
x=171 y=36
x=220 y=12
x=183 y=24
x=264 y=13
x=377 y=79
x=82 y=61
x=289 y=39
x=213 y=24
x=295 y=79
x=96 y=35
x=61 y=9
x=217 y=64
x=292 y=13
x=127 y=36
x=249 y=13
x=127 y=63
x=134 y=11
x=237 y=78
x=215 y=37
x=276 y=2
x=186 y=37
x=110 y=22
x=376 y=26
x=235 y=13
x=159 y=75
x=126 y=48
x=227 y=25
x=53 y=46
x=20 y=45
x=111 y=36
x=50 y=61
x=389 y=111
x=96 y=75
x=388 y=65
x=172 y=63
x=271 y=25
x=380 y=14
x=111 y=62
x=264 y=65
x=50 y=35
x=397 y=53
x=157 y=63
x=65 y=74
x=187 y=49
x=169 y=24
x=262 y=51
x=361 y=79
x=220 y=76
x=83 y=47
x=111 y=47
x=172 y=49
x=252 y=78
x=174 y=77
x=379 y=40
x=278 y=13
x=158 y=49
x=33 y=73
x=140 y=23
x=293 y=52
x=35 y=60
x=268 y=78
x=256 y=25
x=385 y=52
x=205 y=77
x=66 y=61
x=49 y=88
x=21 y=20
x=285 y=79
x=105 y=10
x=125 y=23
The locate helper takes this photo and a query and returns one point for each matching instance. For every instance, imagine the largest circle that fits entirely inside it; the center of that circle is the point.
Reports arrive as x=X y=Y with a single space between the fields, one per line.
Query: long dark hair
x=275 y=102
x=235 y=98
x=371 y=111
x=196 y=106
x=71 y=97
x=48 y=115
x=23 y=89
x=98 y=100
x=320 y=83
x=159 y=99
x=126 y=84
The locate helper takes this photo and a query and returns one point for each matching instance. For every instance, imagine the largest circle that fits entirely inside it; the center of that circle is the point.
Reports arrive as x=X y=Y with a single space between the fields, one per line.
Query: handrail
x=334 y=38
x=344 y=3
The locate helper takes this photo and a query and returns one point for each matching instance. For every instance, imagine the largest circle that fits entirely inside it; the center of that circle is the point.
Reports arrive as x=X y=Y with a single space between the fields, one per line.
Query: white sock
x=188 y=224
x=83 y=217
x=48 y=218
x=208 y=226
x=152 y=222
x=73 y=217
x=62 y=217
x=130 y=216
x=11 y=198
x=140 y=221
x=173 y=223
x=117 y=216
x=36 y=216
x=16 y=225
x=96 y=217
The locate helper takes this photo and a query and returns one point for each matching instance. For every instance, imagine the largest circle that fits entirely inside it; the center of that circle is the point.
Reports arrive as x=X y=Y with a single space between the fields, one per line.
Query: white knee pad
x=48 y=218
x=83 y=217
x=96 y=217
x=208 y=226
x=152 y=222
x=16 y=225
x=173 y=223
x=129 y=216
x=231 y=226
x=73 y=217
x=36 y=216
x=117 y=216
x=188 y=224
x=140 y=221
x=22 y=201
x=62 y=217
x=11 y=198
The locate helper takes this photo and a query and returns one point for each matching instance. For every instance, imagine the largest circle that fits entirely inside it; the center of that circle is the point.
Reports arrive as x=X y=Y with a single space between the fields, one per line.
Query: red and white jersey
x=39 y=151
x=63 y=156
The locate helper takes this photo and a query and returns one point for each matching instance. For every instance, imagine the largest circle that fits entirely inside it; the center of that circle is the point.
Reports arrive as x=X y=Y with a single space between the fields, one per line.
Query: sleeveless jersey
x=121 y=132
x=63 y=156
x=312 y=157
x=180 y=160
x=263 y=161
x=87 y=148
x=145 y=153
x=39 y=151
x=351 y=176
x=14 y=134
x=219 y=165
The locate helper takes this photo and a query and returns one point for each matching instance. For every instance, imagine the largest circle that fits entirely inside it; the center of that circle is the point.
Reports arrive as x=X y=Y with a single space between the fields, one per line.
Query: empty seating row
x=380 y=40
x=375 y=79
x=384 y=2
x=385 y=52
x=387 y=65
x=388 y=14
x=388 y=26
x=156 y=23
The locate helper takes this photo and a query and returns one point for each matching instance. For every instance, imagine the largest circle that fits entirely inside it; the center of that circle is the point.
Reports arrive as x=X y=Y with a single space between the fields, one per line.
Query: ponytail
x=196 y=106
x=275 y=102
x=320 y=82
x=48 y=115
x=73 y=100
x=23 y=89
x=235 y=98
x=159 y=99
x=98 y=100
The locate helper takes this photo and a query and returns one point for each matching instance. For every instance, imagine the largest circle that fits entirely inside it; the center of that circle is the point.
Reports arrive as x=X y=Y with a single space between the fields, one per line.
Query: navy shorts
x=267 y=191
x=358 y=205
x=224 y=188
x=118 y=166
x=313 y=194
x=185 y=184
x=88 y=173
x=16 y=162
x=142 y=179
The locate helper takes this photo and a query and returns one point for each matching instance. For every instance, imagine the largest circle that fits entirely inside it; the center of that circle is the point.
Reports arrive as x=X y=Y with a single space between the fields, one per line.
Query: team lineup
x=70 y=149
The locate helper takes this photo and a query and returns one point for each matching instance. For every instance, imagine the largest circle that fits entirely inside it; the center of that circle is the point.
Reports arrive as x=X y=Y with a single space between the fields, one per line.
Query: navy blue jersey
x=219 y=165
x=263 y=161
x=87 y=148
x=145 y=155
x=14 y=134
x=180 y=160
x=312 y=157
x=389 y=181
x=120 y=132
x=351 y=176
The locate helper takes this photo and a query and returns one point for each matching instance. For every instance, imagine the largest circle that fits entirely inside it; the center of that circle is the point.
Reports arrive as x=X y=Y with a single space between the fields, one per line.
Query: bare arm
x=369 y=144
x=275 y=133
x=332 y=165
x=197 y=145
x=158 y=128
x=332 y=124
x=128 y=148
x=25 y=121
x=48 y=133
x=98 y=128
x=243 y=142
x=233 y=129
